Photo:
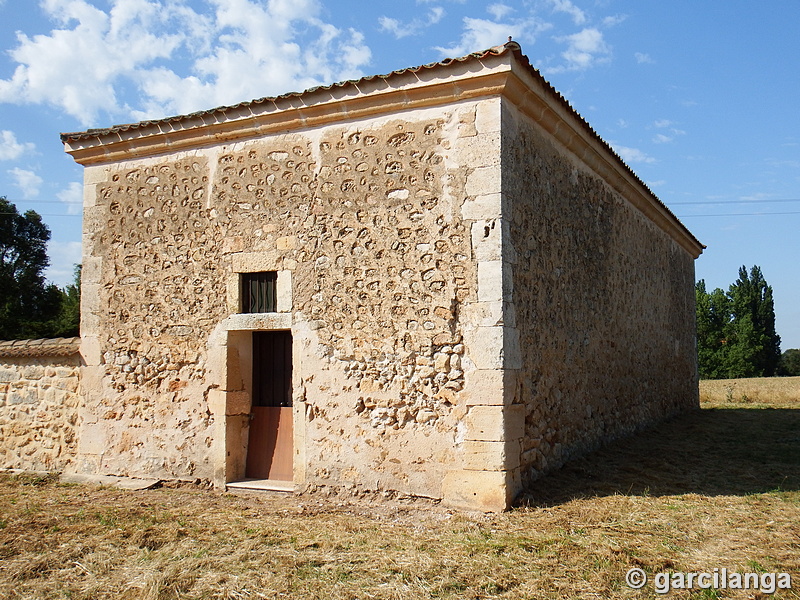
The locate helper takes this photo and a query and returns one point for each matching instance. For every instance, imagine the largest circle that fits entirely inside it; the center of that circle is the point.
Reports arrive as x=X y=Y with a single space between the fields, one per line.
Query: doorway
x=270 y=447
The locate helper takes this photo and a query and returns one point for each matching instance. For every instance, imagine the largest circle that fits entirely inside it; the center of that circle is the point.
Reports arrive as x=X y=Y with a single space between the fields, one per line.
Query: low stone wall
x=39 y=404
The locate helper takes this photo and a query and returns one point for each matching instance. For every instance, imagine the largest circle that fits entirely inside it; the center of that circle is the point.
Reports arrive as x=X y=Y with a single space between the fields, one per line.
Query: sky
x=700 y=98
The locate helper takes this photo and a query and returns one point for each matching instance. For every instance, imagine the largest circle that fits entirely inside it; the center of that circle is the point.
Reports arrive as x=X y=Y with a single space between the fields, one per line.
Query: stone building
x=440 y=282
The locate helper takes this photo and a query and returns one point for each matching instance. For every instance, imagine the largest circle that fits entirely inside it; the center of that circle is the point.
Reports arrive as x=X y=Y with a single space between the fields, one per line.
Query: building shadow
x=718 y=451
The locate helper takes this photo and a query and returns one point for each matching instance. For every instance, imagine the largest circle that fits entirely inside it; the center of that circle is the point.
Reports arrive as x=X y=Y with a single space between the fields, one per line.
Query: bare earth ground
x=719 y=487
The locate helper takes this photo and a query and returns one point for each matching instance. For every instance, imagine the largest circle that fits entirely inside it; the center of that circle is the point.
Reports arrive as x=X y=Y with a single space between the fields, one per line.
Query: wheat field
x=771 y=391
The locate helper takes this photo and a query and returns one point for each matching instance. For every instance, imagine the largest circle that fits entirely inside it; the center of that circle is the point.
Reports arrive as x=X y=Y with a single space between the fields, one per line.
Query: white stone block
x=479 y=150
x=90 y=303
x=89 y=195
x=490 y=491
x=483 y=180
x=490 y=281
x=233 y=288
x=486 y=387
x=254 y=262
x=495 y=423
x=487 y=116
x=486 y=240
x=284 y=291
x=258 y=322
x=482 y=207
x=483 y=314
x=491 y=456
x=91 y=271
x=90 y=350
x=485 y=347
x=95 y=174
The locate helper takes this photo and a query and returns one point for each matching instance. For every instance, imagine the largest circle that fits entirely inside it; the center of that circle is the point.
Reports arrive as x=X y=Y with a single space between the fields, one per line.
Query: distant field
x=774 y=391
x=717 y=488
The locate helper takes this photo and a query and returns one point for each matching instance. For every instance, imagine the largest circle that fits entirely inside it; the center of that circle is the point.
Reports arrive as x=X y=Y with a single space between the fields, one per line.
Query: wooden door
x=271 y=445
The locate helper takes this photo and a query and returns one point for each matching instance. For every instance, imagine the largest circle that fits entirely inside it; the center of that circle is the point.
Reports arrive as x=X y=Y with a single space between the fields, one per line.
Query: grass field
x=717 y=488
x=770 y=391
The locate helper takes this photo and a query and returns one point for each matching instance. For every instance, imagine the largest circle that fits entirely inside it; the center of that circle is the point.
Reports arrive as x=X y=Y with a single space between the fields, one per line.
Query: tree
x=28 y=305
x=67 y=323
x=713 y=323
x=790 y=363
x=755 y=351
x=736 y=330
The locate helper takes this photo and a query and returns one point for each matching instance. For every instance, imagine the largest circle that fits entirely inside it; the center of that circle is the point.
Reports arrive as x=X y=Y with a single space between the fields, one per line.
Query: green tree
x=736 y=330
x=790 y=363
x=755 y=348
x=67 y=322
x=26 y=301
x=29 y=306
x=713 y=328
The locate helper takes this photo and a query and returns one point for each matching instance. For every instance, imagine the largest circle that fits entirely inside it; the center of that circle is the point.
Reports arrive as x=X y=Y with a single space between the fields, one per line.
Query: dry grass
x=719 y=487
x=770 y=391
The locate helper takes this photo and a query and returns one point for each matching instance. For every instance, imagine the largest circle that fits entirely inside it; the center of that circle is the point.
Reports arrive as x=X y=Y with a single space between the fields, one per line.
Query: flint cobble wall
x=39 y=404
x=602 y=303
x=473 y=295
x=368 y=218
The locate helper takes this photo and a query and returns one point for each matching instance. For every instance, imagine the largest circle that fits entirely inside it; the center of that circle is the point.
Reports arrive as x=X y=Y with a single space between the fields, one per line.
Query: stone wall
x=601 y=299
x=39 y=404
x=374 y=225
x=475 y=286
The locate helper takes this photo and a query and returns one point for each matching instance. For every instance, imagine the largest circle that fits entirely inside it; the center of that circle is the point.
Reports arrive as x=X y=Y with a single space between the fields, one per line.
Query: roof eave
x=482 y=75
x=503 y=71
x=534 y=96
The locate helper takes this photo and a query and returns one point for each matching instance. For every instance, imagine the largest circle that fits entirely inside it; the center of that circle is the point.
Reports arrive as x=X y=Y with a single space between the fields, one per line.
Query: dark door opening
x=271 y=446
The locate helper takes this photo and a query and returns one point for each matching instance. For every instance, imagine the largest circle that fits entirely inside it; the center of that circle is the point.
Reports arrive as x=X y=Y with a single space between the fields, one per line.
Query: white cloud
x=28 y=182
x=10 y=148
x=633 y=155
x=245 y=49
x=63 y=258
x=565 y=6
x=642 y=58
x=614 y=20
x=584 y=49
x=498 y=11
x=75 y=69
x=480 y=34
x=72 y=196
x=757 y=197
x=395 y=27
x=671 y=134
x=414 y=27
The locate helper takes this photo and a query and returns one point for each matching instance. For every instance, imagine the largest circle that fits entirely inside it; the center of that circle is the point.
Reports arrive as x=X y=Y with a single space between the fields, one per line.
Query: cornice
x=358 y=100
x=499 y=72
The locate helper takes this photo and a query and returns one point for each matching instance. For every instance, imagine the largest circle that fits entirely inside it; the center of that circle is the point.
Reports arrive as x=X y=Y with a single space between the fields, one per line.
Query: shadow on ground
x=720 y=451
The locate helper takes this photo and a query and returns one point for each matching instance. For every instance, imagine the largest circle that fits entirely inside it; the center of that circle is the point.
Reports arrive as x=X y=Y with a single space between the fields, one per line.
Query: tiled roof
x=96 y=133
x=216 y=115
x=47 y=347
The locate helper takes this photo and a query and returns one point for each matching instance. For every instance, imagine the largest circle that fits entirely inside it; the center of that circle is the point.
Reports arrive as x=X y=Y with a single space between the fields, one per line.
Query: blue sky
x=699 y=98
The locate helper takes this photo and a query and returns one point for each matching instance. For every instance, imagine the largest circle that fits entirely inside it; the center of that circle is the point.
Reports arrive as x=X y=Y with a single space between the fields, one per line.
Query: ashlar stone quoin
x=475 y=288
